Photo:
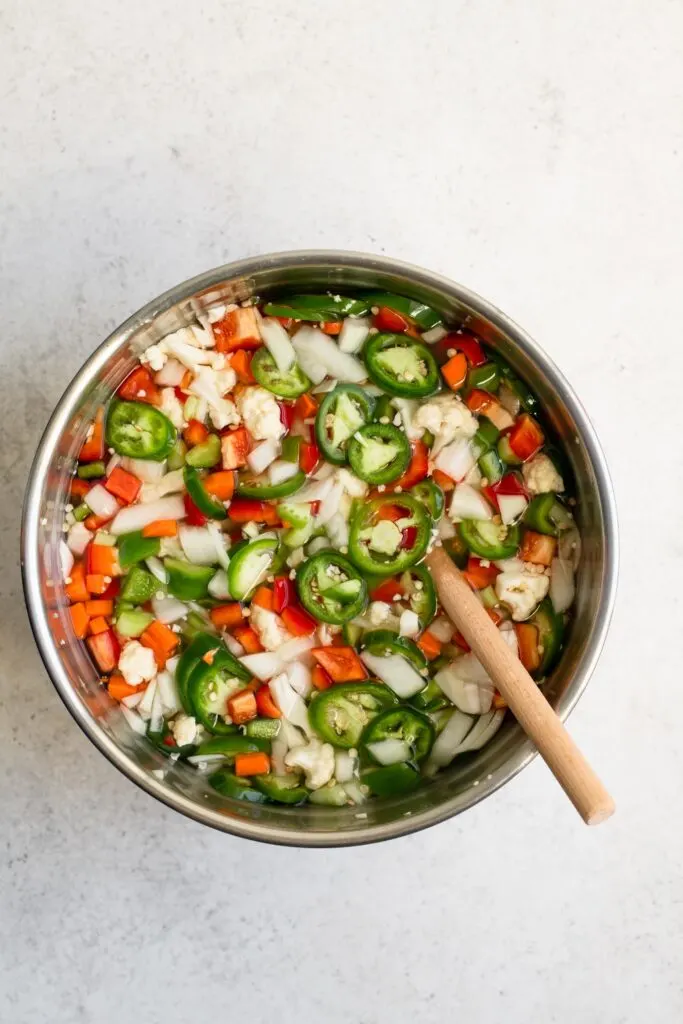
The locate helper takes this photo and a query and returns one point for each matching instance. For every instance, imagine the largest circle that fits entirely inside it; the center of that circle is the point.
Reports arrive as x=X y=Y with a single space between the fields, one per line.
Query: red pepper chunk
x=408 y=537
x=342 y=664
x=193 y=516
x=237 y=329
x=242 y=707
x=418 y=468
x=309 y=456
x=235 y=448
x=139 y=386
x=92 y=449
x=298 y=621
x=479 y=576
x=123 y=485
x=286 y=415
x=464 y=342
x=386 y=319
x=105 y=649
x=283 y=593
x=387 y=591
x=246 y=510
x=509 y=484
x=265 y=704
x=525 y=437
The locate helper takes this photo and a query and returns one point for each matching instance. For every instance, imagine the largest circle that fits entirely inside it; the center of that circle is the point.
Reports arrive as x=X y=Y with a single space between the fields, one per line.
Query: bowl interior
x=471 y=777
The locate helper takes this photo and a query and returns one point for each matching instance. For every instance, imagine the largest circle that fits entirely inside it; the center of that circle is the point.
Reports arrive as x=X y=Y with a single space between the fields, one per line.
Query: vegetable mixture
x=246 y=533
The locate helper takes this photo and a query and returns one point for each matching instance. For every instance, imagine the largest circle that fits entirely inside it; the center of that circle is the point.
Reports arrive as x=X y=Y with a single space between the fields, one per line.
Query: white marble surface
x=530 y=149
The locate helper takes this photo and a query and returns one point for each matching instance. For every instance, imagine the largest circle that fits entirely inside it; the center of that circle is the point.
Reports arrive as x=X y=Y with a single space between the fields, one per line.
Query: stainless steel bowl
x=181 y=787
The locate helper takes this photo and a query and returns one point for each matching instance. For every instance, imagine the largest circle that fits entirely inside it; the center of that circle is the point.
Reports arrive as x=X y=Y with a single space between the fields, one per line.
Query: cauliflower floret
x=269 y=628
x=317 y=761
x=210 y=385
x=184 y=729
x=540 y=475
x=447 y=418
x=261 y=414
x=521 y=592
x=379 y=612
x=155 y=356
x=352 y=485
x=137 y=664
x=183 y=346
x=172 y=407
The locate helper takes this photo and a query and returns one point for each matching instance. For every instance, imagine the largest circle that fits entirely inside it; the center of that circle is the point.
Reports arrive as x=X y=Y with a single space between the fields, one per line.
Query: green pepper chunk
x=432 y=698
x=176 y=457
x=340 y=714
x=231 y=744
x=90 y=470
x=289 y=384
x=342 y=412
x=250 y=564
x=209 y=688
x=394 y=780
x=550 y=628
x=291 y=449
x=206 y=454
x=424 y=316
x=485 y=438
x=401 y=723
x=383 y=547
x=546 y=514
x=431 y=496
x=506 y=453
x=186 y=581
x=322 y=308
x=384 y=409
x=486 y=377
x=527 y=398
x=249 y=487
x=263 y=728
x=489 y=540
x=139 y=586
x=331 y=588
x=228 y=784
x=398 y=364
x=283 y=789
x=379 y=453
x=133 y=547
x=491 y=467
x=81 y=512
x=139 y=431
x=194 y=624
x=205 y=502
x=132 y=622
x=188 y=661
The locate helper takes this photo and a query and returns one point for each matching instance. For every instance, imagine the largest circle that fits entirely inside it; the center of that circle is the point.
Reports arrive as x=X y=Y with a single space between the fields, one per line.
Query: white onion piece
x=234 y=646
x=509 y=564
x=484 y=730
x=338 y=531
x=198 y=545
x=569 y=546
x=276 y=340
x=132 y=700
x=300 y=678
x=467 y=684
x=456 y=459
x=468 y=503
x=157 y=568
x=329 y=505
x=295 y=648
x=263 y=665
x=511 y=507
x=133 y=719
x=446 y=528
x=204 y=760
x=66 y=559
x=278 y=749
x=260 y=457
x=448 y=741
x=171 y=374
x=442 y=628
x=396 y=672
x=390 y=751
x=145 y=705
x=280 y=471
x=156 y=718
x=168 y=609
x=408 y=407
x=145 y=469
x=170 y=483
x=136 y=517
x=434 y=334
x=315 y=490
x=218 y=586
x=101 y=502
x=344 y=765
x=289 y=702
x=355 y=792
x=562 y=587
x=327 y=385
x=313 y=345
x=218 y=538
x=305 y=343
x=324 y=470
x=353 y=333
x=168 y=692
x=409 y=624
x=78 y=538
x=114 y=461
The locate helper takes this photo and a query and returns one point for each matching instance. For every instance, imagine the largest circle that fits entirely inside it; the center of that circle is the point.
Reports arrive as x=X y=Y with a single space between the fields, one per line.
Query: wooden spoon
x=527 y=703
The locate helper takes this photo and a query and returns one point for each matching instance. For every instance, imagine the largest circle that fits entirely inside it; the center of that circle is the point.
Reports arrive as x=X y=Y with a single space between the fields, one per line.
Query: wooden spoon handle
x=527 y=703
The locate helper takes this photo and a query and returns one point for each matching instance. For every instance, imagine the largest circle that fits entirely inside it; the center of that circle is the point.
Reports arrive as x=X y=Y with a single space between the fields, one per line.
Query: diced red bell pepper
x=101 y=559
x=241 y=364
x=342 y=664
x=105 y=649
x=112 y=590
x=389 y=513
x=464 y=342
x=511 y=483
x=525 y=437
x=309 y=456
x=265 y=704
x=284 y=593
x=305 y=407
x=298 y=621
x=538 y=548
x=139 y=386
x=193 y=516
x=92 y=449
x=479 y=576
x=386 y=319
x=123 y=485
x=418 y=468
x=237 y=329
x=248 y=637
x=235 y=448
x=181 y=395
x=387 y=591
x=320 y=678
x=286 y=414
x=195 y=433
x=246 y=510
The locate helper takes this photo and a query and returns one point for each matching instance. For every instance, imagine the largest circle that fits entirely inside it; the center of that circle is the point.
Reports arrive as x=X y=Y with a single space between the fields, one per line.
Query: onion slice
x=136 y=517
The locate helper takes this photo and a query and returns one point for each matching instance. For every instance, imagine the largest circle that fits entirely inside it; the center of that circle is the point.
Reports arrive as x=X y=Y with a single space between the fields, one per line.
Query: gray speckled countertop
x=531 y=150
